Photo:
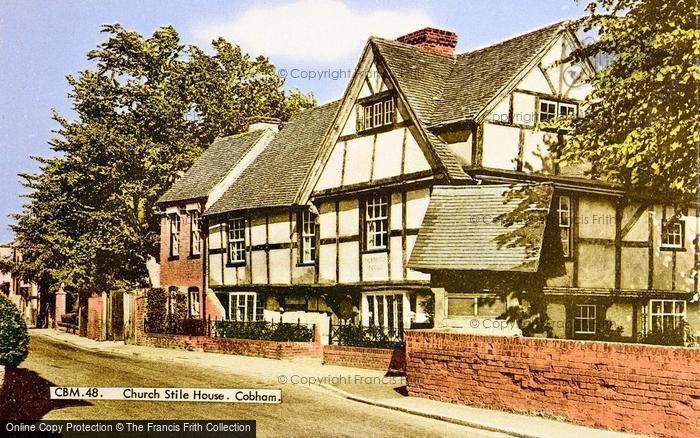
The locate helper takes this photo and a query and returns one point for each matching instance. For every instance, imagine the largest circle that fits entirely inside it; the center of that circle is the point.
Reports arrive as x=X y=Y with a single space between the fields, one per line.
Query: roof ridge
x=514 y=37
x=235 y=136
x=410 y=46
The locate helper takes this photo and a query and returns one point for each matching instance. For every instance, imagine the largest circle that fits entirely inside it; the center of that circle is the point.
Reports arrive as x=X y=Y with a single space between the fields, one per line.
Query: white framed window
x=174 y=220
x=585 y=319
x=193 y=293
x=548 y=110
x=377 y=113
x=564 y=217
x=386 y=310
x=195 y=233
x=245 y=306
x=666 y=314
x=567 y=109
x=388 y=111
x=308 y=237
x=236 y=241
x=672 y=233
x=377 y=222
x=171 y=302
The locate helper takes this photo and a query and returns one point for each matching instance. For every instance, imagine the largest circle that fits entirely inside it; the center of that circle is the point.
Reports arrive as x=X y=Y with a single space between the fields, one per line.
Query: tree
x=641 y=128
x=14 y=339
x=146 y=110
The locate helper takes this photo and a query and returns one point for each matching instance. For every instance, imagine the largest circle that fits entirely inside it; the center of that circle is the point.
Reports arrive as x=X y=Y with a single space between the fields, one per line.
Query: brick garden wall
x=360 y=357
x=636 y=388
x=245 y=347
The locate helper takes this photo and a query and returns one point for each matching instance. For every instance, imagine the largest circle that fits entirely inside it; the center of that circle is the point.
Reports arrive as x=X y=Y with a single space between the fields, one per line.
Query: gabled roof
x=211 y=167
x=275 y=177
x=421 y=75
x=443 y=88
x=461 y=231
x=479 y=76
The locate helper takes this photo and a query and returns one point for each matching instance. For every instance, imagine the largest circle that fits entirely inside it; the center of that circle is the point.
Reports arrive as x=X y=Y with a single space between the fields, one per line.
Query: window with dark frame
x=564 y=217
x=585 y=319
x=672 y=233
x=174 y=220
x=236 y=241
x=308 y=237
x=376 y=114
x=195 y=233
x=377 y=222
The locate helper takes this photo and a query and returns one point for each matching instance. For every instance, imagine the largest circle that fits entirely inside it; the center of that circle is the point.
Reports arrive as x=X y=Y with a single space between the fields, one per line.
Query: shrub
x=156 y=311
x=609 y=332
x=14 y=339
x=681 y=335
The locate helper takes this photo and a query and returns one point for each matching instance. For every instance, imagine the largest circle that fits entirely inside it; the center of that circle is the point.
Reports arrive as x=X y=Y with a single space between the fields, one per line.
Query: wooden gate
x=129 y=302
x=115 y=316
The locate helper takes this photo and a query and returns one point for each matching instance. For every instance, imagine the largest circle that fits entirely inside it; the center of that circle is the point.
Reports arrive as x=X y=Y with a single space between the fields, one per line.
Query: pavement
x=370 y=387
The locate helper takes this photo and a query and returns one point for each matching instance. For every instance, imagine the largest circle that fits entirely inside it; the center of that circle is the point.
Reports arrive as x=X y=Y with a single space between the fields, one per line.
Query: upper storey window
x=376 y=113
x=550 y=109
x=174 y=220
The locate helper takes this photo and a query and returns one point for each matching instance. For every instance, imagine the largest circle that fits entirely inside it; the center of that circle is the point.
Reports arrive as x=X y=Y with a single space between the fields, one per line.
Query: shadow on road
x=25 y=396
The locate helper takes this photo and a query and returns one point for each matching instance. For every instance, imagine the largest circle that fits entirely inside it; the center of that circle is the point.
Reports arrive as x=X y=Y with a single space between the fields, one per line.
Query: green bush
x=14 y=339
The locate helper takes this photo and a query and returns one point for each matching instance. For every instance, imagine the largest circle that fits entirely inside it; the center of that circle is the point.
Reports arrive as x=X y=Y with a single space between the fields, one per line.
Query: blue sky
x=43 y=41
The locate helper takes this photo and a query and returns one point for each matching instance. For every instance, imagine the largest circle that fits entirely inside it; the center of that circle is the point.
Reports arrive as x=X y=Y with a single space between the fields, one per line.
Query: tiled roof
x=211 y=167
x=443 y=88
x=274 y=178
x=421 y=75
x=459 y=232
x=479 y=76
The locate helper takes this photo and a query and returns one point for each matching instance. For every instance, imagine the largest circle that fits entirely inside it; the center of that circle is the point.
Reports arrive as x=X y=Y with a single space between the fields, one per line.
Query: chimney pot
x=433 y=40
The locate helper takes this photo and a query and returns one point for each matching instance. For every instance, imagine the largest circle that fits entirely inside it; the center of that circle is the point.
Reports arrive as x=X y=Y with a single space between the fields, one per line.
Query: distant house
x=390 y=196
x=24 y=295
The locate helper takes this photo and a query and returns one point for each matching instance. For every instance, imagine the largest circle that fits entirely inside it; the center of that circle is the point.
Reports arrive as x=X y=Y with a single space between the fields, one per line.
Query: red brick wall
x=244 y=347
x=636 y=388
x=374 y=358
x=94 y=319
x=184 y=272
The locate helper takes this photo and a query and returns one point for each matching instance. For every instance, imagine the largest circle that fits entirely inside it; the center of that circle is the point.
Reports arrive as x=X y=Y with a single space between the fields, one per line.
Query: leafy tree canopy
x=144 y=112
x=641 y=127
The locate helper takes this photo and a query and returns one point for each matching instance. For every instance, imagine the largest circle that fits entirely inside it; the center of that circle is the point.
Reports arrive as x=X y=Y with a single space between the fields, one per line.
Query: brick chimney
x=258 y=123
x=433 y=40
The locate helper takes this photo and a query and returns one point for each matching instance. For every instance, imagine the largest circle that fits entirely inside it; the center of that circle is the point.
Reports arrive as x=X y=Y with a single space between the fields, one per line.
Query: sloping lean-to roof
x=275 y=177
x=211 y=167
x=461 y=231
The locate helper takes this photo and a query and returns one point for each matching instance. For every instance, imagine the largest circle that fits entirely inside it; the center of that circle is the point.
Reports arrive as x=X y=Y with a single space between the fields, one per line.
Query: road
x=304 y=411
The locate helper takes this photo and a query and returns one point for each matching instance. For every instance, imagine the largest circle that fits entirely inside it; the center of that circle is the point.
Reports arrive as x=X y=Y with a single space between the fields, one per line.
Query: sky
x=314 y=43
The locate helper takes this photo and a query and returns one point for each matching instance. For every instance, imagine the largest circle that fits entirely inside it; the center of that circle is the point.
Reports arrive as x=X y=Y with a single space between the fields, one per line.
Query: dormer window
x=376 y=113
